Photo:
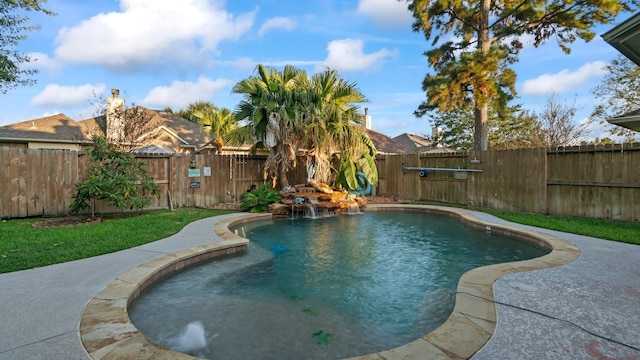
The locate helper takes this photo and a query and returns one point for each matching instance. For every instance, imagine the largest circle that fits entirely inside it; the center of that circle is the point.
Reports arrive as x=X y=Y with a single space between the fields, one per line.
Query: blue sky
x=167 y=53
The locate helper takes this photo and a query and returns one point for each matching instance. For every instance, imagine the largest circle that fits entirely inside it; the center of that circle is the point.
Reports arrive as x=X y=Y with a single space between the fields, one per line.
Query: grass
x=621 y=231
x=24 y=247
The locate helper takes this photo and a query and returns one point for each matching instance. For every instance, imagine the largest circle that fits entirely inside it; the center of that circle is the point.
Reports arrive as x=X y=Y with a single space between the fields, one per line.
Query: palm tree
x=287 y=110
x=332 y=132
x=272 y=110
x=219 y=123
x=193 y=107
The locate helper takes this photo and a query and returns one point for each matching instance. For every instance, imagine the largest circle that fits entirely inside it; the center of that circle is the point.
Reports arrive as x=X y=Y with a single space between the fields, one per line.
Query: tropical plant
x=487 y=37
x=258 y=200
x=12 y=32
x=115 y=177
x=287 y=111
x=198 y=106
x=271 y=108
x=218 y=122
x=332 y=131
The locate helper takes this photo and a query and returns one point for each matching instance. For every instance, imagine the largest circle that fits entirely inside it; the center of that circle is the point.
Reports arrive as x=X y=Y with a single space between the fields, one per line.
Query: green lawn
x=24 y=247
x=621 y=231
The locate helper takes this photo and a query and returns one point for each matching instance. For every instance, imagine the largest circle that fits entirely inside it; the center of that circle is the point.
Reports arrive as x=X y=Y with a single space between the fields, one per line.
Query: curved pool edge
x=473 y=319
x=106 y=331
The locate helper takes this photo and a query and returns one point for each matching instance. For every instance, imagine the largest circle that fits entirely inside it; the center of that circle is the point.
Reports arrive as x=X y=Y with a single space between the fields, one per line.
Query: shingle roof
x=55 y=128
x=189 y=131
x=629 y=120
x=413 y=142
x=385 y=144
x=61 y=128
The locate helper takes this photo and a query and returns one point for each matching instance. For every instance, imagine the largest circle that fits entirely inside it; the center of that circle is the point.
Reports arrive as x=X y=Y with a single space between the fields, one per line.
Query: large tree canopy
x=13 y=26
x=484 y=38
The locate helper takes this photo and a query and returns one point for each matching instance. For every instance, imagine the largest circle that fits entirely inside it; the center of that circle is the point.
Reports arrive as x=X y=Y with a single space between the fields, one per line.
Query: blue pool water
x=323 y=288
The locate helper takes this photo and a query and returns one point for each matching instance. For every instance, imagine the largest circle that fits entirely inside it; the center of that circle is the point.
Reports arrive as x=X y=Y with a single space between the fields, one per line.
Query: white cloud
x=182 y=93
x=150 y=32
x=277 y=23
x=58 y=95
x=386 y=13
x=564 y=80
x=348 y=55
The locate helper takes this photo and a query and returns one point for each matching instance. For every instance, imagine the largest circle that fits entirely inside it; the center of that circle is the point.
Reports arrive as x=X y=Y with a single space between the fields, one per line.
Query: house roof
x=629 y=120
x=57 y=128
x=186 y=132
x=152 y=149
x=62 y=129
x=413 y=142
x=625 y=37
x=385 y=144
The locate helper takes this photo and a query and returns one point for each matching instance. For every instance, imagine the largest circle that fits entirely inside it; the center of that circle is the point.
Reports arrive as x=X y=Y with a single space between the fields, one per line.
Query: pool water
x=324 y=288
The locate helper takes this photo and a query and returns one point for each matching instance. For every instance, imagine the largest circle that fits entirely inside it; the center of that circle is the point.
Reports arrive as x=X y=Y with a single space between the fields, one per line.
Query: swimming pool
x=358 y=285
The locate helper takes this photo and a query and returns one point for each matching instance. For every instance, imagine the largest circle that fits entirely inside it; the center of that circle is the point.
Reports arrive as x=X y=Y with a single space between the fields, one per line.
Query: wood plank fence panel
x=18 y=189
x=5 y=191
x=158 y=169
x=598 y=182
x=512 y=180
x=34 y=170
x=443 y=186
x=381 y=164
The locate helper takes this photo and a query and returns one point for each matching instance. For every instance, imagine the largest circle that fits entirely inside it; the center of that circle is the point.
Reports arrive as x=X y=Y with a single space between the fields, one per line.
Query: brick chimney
x=367 y=119
x=115 y=117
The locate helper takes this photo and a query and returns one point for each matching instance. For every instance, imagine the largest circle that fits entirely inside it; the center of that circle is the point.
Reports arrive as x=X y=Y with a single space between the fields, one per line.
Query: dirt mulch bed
x=68 y=222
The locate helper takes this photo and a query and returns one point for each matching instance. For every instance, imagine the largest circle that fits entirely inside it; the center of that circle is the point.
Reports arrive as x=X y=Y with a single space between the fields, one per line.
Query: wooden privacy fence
x=597 y=182
x=36 y=182
x=593 y=181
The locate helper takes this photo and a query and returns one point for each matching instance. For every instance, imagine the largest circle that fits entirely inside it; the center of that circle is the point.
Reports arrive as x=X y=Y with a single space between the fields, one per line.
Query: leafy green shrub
x=115 y=177
x=259 y=199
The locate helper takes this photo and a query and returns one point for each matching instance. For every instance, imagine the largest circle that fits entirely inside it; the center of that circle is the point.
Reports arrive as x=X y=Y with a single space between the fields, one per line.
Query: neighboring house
x=171 y=134
x=51 y=132
x=385 y=144
x=630 y=120
x=418 y=144
x=625 y=37
x=148 y=131
x=413 y=142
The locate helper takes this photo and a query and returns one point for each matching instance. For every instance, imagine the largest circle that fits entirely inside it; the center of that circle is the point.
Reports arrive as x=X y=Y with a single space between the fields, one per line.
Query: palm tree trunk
x=282 y=176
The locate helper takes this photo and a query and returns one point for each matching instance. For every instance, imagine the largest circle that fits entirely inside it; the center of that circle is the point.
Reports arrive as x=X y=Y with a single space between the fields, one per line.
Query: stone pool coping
x=106 y=331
